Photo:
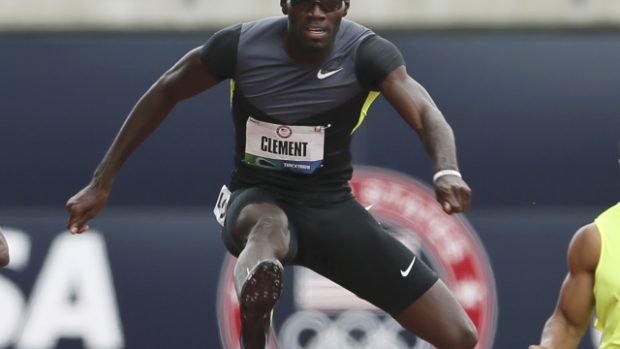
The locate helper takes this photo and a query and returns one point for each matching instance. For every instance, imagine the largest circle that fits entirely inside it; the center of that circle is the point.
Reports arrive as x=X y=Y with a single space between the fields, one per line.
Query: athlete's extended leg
x=346 y=244
x=263 y=230
x=438 y=318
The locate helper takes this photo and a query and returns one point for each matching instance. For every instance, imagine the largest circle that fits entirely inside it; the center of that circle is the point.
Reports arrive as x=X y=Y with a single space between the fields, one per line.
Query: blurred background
x=529 y=87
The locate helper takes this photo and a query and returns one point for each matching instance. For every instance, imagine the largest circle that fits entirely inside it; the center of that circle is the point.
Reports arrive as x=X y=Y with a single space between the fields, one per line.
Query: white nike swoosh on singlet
x=320 y=75
x=406 y=272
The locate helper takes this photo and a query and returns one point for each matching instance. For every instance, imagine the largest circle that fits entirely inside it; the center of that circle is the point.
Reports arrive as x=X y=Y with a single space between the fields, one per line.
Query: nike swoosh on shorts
x=406 y=272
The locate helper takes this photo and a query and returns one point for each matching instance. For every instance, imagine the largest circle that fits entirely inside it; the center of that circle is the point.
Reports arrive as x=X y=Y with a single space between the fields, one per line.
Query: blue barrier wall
x=535 y=115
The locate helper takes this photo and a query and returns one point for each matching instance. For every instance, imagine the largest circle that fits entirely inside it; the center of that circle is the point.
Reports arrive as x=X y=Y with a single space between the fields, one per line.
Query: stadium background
x=530 y=89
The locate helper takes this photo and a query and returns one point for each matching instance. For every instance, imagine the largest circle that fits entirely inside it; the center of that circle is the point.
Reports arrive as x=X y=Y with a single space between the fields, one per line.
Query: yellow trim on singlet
x=232 y=90
x=607 y=278
x=369 y=100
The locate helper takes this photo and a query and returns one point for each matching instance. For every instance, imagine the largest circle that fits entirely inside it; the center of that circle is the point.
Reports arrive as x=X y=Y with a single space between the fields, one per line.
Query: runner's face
x=313 y=24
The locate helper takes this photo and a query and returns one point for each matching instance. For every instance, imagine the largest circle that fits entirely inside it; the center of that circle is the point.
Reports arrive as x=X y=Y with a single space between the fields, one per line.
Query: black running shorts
x=344 y=243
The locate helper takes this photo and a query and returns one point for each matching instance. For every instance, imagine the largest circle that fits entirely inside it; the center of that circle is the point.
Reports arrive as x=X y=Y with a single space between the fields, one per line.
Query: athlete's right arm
x=570 y=319
x=187 y=78
x=4 y=251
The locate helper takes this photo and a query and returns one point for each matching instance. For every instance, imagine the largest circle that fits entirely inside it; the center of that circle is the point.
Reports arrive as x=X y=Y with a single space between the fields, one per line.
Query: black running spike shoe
x=259 y=294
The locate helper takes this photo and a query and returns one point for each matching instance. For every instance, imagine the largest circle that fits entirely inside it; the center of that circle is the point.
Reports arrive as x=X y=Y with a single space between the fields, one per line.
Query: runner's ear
x=283 y=5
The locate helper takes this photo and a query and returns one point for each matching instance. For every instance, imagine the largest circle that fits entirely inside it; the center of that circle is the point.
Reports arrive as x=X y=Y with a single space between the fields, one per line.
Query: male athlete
x=301 y=85
x=4 y=251
x=592 y=284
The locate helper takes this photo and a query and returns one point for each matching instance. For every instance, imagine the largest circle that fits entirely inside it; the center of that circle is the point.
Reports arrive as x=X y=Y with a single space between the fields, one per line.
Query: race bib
x=286 y=148
x=220 y=206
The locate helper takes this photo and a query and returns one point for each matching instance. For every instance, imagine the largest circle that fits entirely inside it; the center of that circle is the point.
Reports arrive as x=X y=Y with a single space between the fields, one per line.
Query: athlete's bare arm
x=570 y=319
x=418 y=109
x=185 y=79
x=4 y=251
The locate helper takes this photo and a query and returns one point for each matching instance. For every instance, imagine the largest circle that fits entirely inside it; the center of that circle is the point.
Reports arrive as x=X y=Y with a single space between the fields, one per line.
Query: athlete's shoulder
x=347 y=23
x=223 y=37
x=376 y=58
x=350 y=30
x=218 y=54
x=584 y=249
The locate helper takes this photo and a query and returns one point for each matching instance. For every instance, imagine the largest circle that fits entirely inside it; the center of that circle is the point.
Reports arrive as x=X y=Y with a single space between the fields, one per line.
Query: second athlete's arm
x=573 y=312
x=4 y=251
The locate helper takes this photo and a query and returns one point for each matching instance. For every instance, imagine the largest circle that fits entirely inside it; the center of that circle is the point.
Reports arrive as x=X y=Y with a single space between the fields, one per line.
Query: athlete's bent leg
x=439 y=319
x=263 y=230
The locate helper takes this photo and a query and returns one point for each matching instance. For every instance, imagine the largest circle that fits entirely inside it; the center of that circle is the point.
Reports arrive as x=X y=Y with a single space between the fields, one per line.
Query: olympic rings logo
x=349 y=330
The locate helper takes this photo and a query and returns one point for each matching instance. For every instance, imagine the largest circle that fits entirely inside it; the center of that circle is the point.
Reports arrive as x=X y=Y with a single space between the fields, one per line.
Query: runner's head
x=312 y=26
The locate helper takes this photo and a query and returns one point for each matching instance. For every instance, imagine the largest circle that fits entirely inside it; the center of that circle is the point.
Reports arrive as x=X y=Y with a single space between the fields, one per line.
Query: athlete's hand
x=453 y=194
x=84 y=206
x=4 y=251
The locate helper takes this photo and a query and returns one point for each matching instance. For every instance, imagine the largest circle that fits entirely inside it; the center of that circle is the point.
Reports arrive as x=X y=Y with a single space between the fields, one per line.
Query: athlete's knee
x=264 y=224
x=272 y=231
x=269 y=228
x=264 y=216
x=462 y=336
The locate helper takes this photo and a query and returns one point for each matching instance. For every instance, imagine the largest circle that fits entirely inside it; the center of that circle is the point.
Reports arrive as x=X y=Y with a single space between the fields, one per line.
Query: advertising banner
x=160 y=278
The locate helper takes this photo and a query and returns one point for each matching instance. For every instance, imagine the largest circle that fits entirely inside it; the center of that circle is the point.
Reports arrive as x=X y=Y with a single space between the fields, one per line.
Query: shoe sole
x=259 y=294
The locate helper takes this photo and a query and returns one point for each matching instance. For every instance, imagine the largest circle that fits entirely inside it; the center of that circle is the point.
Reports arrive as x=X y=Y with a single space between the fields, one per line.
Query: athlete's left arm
x=4 y=251
x=419 y=110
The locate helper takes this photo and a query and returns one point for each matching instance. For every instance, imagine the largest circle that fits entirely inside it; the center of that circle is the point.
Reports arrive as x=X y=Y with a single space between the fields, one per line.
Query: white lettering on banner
x=75 y=289
x=12 y=305
x=73 y=297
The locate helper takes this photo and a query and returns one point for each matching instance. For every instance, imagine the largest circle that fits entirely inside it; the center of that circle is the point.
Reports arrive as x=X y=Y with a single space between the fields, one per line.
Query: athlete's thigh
x=346 y=244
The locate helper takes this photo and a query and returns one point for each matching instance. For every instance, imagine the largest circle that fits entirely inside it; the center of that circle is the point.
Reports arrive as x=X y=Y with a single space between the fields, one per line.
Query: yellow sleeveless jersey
x=607 y=278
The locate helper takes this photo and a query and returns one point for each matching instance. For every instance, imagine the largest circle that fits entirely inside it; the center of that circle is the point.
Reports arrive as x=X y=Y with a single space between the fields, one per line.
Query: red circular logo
x=330 y=313
x=284 y=131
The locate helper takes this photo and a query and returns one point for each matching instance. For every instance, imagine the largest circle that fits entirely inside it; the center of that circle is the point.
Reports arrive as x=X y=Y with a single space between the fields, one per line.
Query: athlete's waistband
x=315 y=196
